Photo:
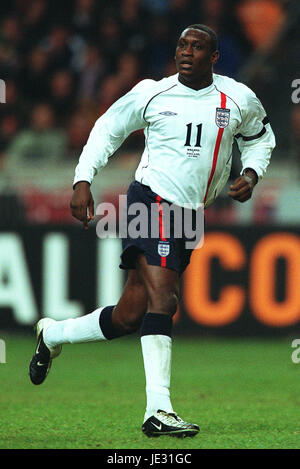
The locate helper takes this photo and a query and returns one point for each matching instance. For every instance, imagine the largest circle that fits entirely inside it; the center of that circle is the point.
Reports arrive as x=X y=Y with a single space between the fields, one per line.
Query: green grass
x=242 y=393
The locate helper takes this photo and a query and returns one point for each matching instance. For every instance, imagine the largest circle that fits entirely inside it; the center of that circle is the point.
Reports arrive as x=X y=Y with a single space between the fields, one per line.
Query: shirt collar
x=189 y=90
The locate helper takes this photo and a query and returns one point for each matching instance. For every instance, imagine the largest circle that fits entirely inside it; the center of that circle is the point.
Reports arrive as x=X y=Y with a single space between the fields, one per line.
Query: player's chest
x=191 y=119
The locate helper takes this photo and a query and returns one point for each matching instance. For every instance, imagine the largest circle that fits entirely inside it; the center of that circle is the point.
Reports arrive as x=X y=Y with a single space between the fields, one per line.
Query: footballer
x=190 y=121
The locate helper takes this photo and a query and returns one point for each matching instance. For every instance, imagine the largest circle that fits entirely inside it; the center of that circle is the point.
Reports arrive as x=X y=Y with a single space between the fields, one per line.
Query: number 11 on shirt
x=189 y=132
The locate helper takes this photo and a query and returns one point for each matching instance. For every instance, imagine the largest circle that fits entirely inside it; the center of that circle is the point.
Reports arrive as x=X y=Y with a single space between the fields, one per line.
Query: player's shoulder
x=236 y=90
x=150 y=87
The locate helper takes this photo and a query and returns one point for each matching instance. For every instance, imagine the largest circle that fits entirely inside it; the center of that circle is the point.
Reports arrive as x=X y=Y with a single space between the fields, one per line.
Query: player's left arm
x=256 y=142
x=243 y=186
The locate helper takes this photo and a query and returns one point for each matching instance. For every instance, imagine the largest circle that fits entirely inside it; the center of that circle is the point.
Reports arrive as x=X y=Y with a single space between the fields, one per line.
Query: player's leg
x=162 y=289
x=128 y=314
x=107 y=322
x=162 y=286
x=103 y=323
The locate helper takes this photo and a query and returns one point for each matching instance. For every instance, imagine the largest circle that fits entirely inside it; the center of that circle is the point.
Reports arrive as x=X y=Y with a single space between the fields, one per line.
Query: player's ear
x=214 y=57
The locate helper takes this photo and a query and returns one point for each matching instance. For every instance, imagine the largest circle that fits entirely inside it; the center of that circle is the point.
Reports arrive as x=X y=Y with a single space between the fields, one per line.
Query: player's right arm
x=109 y=132
x=82 y=203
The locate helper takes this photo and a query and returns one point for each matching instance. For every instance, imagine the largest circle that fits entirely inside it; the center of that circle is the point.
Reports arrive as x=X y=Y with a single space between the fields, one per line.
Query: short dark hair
x=212 y=34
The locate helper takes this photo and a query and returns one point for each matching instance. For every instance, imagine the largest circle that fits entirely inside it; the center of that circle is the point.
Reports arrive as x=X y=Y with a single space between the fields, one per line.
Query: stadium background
x=64 y=63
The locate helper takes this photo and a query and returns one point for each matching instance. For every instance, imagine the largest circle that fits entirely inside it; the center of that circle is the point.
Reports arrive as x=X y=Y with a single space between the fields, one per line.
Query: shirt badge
x=222 y=117
x=163 y=248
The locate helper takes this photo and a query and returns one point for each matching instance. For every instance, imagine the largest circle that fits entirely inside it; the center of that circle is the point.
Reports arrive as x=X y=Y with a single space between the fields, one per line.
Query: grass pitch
x=242 y=393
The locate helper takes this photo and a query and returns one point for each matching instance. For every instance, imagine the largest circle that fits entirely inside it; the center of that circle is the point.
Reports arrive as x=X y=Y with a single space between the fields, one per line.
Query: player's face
x=194 y=57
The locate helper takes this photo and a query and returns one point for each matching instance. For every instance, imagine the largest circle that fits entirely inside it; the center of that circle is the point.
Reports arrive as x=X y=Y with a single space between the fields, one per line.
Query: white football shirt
x=188 y=137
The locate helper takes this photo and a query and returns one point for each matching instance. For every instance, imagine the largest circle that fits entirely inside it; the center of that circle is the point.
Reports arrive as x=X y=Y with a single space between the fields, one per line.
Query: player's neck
x=196 y=84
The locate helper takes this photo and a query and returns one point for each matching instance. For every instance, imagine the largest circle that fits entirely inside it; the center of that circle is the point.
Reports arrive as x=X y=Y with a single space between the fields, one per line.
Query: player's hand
x=242 y=187
x=82 y=203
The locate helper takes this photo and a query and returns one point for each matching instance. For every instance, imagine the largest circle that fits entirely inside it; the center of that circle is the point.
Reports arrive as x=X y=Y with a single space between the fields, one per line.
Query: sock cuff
x=106 y=325
x=157 y=324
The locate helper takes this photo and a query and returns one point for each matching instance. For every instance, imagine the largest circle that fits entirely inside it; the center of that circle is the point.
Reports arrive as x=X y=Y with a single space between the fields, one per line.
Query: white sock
x=157 y=354
x=83 y=329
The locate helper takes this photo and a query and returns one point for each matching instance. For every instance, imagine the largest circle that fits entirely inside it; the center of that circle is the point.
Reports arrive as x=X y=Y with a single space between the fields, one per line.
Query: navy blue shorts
x=163 y=247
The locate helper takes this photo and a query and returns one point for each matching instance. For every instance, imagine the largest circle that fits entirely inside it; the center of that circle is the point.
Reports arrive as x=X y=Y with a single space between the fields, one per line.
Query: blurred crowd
x=64 y=63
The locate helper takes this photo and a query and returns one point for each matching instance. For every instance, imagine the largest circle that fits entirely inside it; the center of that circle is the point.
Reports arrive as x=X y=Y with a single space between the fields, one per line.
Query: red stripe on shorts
x=163 y=260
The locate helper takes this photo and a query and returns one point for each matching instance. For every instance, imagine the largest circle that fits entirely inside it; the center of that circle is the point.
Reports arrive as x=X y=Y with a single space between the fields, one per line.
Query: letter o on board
x=196 y=283
x=263 y=303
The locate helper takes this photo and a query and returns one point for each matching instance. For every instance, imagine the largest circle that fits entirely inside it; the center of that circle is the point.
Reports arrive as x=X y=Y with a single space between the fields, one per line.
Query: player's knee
x=129 y=320
x=164 y=302
x=173 y=303
x=130 y=324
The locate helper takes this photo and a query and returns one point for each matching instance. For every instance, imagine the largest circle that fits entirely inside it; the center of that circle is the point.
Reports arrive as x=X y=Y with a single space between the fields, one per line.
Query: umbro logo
x=168 y=113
